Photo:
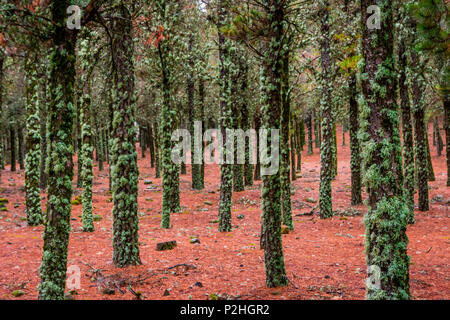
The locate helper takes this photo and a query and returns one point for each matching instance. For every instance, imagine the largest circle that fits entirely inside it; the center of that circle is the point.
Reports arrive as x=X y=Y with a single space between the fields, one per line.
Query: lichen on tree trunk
x=386 y=220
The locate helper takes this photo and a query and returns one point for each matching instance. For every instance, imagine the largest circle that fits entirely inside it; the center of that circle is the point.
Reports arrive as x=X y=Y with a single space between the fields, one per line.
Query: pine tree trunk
x=197 y=168
x=20 y=147
x=386 y=220
x=271 y=110
x=317 y=129
x=447 y=134
x=170 y=170
x=151 y=144
x=12 y=139
x=2 y=60
x=286 y=208
x=309 y=124
x=439 y=142
x=355 y=156
x=87 y=144
x=431 y=176
x=257 y=174
x=157 y=151
x=124 y=172
x=327 y=147
x=44 y=124
x=226 y=122
x=418 y=111
x=408 y=143
x=60 y=162
x=33 y=157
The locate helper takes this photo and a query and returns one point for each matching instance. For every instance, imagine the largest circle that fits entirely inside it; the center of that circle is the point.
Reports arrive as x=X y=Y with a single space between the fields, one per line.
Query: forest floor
x=324 y=258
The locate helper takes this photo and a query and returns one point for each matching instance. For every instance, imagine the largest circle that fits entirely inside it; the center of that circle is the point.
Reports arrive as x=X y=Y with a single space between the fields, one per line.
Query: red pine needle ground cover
x=324 y=259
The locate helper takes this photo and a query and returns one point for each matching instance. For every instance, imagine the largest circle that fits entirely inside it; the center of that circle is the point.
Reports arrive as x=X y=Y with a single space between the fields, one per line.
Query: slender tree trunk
x=447 y=134
x=198 y=168
x=300 y=129
x=418 y=110
x=431 y=176
x=326 y=151
x=33 y=157
x=2 y=60
x=170 y=170
x=271 y=110
x=257 y=174
x=437 y=132
x=87 y=144
x=355 y=156
x=20 y=147
x=226 y=122
x=125 y=173
x=386 y=220
x=157 y=152
x=316 y=129
x=309 y=124
x=408 y=143
x=43 y=124
x=286 y=208
x=151 y=144
x=12 y=137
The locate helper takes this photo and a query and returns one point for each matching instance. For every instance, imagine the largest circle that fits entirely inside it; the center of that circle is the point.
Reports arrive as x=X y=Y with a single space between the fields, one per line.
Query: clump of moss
x=162 y=246
x=18 y=293
x=76 y=201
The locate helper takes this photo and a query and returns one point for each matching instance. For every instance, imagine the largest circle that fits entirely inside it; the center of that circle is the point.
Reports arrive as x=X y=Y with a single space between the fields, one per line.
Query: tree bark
x=386 y=220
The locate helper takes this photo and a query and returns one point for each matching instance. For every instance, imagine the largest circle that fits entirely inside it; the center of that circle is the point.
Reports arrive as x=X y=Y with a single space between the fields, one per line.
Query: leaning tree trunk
x=355 y=156
x=386 y=220
x=60 y=163
x=33 y=156
x=326 y=150
x=124 y=173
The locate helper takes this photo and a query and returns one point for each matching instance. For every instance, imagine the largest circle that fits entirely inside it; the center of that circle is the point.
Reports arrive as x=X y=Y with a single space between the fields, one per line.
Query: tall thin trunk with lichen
x=170 y=170
x=237 y=73
x=408 y=143
x=327 y=147
x=226 y=122
x=60 y=163
x=124 y=172
x=386 y=220
x=33 y=156
x=355 y=155
x=87 y=145
x=286 y=208
x=420 y=130
x=271 y=110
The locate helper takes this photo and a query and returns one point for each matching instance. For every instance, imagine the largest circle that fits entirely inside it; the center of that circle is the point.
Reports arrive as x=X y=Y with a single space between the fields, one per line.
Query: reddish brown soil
x=324 y=259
